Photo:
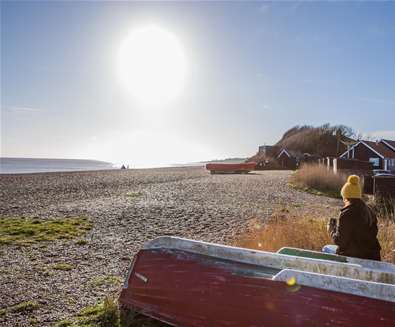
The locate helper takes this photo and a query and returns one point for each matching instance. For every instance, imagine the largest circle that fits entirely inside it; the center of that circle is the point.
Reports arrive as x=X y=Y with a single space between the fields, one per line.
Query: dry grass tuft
x=62 y=266
x=318 y=180
x=386 y=217
x=387 y=240
x=286 y=229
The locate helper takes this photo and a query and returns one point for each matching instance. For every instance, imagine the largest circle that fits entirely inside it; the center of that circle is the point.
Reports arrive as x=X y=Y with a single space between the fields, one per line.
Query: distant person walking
x=355 y=235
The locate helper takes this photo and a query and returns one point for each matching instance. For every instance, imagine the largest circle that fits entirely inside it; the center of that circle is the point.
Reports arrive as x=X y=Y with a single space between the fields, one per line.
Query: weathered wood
x=384 y=188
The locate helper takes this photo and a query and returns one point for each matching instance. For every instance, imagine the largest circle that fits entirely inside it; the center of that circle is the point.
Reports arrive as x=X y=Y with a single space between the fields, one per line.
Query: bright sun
x=152 y=65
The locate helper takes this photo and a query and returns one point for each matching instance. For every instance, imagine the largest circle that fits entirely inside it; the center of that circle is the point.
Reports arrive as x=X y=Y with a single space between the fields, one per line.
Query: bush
x=317 y=179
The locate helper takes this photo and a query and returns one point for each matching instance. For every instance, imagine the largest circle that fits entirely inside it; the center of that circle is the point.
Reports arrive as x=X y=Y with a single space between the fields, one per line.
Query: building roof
x=379 y=148
x=290 y=153
x=389 y=143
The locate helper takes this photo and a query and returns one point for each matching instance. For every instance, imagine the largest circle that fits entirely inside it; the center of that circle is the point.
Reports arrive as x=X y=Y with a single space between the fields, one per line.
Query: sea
x=34 y=165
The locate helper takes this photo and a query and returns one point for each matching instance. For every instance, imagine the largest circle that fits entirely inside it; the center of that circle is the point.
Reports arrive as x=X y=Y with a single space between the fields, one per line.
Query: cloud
x=266 y=107
x=389 y=134
x=377 y=100
x=21 y=110
x=264 y=8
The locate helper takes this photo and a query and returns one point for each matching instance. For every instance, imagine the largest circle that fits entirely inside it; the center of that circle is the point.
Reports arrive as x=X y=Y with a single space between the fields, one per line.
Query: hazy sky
x=253 y=70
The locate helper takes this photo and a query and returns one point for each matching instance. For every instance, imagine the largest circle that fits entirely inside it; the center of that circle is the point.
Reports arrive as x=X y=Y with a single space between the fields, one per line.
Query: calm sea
x=29 y=165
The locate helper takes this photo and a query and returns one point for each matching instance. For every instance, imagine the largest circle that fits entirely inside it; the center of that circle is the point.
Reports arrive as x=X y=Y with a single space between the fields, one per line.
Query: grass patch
x=27 y=306
x=22 y=307
x=134 y=194
x=110 y=280
x=102 y=314
x=33 y=321
x=318 y=180
x=81 y=242
x=26 y=231
x=62 y=266
x=310 y=233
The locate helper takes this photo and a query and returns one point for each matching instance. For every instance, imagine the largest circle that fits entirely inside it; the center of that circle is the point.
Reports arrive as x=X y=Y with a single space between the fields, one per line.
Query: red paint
x=227 y=167
x=186 y=289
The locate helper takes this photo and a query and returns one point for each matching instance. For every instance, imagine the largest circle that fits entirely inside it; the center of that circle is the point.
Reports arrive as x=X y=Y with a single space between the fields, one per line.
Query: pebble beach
x=126 y=208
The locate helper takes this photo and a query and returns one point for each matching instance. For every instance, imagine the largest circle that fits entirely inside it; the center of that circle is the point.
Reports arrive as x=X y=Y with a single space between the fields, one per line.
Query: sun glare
x=152 y=65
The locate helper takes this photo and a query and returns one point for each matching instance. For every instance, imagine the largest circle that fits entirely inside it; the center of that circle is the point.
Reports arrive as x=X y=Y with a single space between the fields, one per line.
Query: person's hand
x=331 y=226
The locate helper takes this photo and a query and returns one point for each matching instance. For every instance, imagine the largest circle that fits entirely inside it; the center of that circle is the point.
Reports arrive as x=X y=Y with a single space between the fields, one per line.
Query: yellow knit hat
x=352 y=188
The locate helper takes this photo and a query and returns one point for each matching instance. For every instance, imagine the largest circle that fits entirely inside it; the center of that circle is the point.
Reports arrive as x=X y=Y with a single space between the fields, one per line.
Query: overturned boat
x=231 y=168
x=190 y=283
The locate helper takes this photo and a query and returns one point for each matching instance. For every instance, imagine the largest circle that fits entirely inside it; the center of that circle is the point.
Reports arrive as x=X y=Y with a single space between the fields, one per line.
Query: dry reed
x=309 y=233
x=315 y=178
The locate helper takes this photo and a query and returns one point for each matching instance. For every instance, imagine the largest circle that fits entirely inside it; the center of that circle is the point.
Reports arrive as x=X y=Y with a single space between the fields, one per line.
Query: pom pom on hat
x=352 y=188
x=353 y=179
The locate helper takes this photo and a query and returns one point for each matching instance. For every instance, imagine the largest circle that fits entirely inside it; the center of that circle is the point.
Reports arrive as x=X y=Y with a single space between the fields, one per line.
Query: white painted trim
x=273 y=260
x=383 y=141
x=346 y=285
x=371 y=264
x=368 y=146
x=348 y=150
x=286 y=152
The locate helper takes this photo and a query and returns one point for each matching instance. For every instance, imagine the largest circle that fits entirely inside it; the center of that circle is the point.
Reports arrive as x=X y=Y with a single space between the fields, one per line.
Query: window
x=375 y=162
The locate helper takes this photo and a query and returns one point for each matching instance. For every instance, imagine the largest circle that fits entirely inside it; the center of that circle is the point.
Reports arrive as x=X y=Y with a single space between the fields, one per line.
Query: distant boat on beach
x=35 y=165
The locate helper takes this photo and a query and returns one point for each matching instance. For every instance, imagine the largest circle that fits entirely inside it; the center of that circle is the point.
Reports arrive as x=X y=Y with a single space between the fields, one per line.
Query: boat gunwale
x=340 y=284
x=274 y=260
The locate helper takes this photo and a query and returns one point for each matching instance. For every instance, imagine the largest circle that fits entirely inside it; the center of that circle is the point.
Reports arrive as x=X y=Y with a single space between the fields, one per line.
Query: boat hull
x=224 y=168
x=189 y=289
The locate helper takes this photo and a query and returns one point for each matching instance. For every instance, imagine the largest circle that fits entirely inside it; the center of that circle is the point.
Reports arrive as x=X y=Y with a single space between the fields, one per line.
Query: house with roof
x=380 y=153
x=288 y=159
x=389 y=143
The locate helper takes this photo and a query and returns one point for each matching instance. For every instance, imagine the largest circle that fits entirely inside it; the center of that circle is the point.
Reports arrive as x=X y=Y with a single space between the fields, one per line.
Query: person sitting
x=356 y=233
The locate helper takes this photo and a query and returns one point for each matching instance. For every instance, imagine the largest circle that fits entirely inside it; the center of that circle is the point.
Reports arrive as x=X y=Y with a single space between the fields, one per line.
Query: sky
x=253 y=70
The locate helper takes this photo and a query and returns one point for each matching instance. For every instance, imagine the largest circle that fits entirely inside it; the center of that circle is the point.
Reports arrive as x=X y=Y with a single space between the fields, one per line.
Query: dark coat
x=356 y=233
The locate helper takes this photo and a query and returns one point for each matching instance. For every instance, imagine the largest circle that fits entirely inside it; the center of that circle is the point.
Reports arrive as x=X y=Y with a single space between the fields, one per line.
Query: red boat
x=189 y=283
x=231 y=168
